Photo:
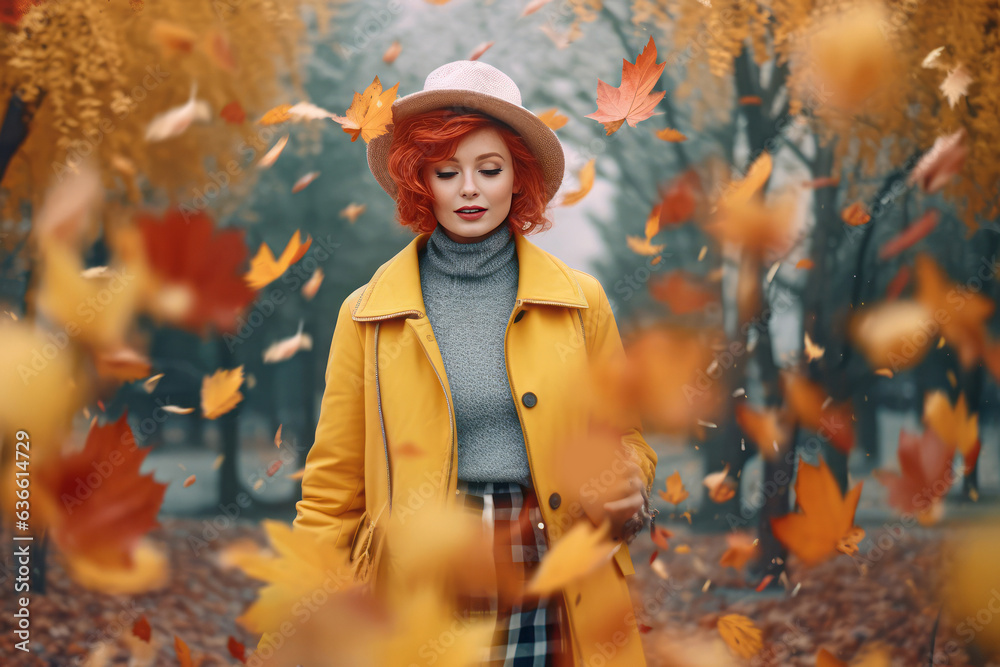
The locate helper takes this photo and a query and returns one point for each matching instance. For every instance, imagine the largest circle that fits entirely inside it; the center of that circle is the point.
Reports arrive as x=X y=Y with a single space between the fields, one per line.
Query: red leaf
x=141 y=628
x=236 y=649
x=120 y=505
x=653 y=556
x=634 y=100
x=233 y=113
x=679 y=200
x=898 y=282
x=924 y=462
x=184 y=249
x=909 y=236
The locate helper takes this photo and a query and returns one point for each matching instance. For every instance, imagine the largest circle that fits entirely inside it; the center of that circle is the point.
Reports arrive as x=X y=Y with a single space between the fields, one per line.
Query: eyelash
x=492 y=172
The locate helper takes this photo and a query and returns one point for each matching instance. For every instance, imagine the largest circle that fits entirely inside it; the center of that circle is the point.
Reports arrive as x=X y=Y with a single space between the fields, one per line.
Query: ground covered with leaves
x=844 y=605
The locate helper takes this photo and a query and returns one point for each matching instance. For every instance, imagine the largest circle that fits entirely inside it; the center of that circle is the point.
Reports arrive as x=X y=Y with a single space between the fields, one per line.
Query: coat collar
x=395 y=291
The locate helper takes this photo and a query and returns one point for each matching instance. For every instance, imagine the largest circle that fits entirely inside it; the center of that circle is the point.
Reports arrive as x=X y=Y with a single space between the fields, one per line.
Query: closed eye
x=448 y=174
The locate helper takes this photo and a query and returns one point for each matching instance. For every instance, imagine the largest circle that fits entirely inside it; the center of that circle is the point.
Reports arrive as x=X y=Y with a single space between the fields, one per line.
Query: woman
x=451 y=372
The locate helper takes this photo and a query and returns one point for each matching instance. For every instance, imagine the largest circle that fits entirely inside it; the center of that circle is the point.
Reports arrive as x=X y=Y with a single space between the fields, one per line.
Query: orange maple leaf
x=634 y=100
x=808 y=401
x=682 y=293
x=675 y=493
x=370 y=112
x=826 y=523
x=95 y=502
x=264 y=268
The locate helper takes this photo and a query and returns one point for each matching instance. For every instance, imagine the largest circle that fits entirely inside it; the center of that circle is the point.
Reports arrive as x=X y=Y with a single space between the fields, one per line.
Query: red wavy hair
x=434 y=136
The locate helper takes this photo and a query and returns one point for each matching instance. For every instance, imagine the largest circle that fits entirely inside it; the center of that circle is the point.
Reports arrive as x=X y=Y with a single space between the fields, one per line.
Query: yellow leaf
x=741 y=635
x=580 y=551
x=953 y=424
x=150 y=571
x=264 y=268
x=676 y=493
x=553 y=118
x=220 y=392
x=278 y=114
x=586 y=183
x=370 y=112
x=671 y=135
x=641 y=245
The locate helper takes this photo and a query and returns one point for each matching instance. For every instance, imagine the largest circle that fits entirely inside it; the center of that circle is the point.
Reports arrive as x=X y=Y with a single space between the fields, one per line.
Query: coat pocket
x=366 y=549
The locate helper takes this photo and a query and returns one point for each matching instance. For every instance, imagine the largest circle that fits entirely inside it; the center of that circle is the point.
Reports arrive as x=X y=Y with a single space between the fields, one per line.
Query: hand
x=630 y=514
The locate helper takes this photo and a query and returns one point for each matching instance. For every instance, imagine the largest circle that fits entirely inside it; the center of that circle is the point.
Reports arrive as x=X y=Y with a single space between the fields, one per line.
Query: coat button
x=517 y=318
x=554 y=501
x=529 y=399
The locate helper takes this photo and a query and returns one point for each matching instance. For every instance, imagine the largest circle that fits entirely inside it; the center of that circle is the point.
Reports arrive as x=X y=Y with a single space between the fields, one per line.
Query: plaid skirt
x=531 y=632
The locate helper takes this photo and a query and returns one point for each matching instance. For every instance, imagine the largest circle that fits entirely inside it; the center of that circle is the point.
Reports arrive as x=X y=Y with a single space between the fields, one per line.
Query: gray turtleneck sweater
x=469 y=290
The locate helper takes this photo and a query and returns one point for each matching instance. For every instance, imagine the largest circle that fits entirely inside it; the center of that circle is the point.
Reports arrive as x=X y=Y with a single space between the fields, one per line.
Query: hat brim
x=541 y=140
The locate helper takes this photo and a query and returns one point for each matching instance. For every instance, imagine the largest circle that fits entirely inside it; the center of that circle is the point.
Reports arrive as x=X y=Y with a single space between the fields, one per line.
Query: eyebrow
x=484 y=155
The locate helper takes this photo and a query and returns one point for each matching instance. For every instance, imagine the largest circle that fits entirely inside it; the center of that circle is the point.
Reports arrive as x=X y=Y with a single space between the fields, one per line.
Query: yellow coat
x=368 y=410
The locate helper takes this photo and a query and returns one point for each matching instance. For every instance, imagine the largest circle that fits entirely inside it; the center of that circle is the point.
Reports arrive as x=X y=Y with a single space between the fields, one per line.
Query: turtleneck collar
x=471 y=260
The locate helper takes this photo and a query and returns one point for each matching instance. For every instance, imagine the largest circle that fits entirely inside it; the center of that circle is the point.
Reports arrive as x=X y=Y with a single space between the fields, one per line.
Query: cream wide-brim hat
x=473 y=86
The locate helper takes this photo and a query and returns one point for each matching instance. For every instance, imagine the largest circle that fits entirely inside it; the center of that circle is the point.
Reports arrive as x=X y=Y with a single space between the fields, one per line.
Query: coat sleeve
x=606 y=347
x=333 y=484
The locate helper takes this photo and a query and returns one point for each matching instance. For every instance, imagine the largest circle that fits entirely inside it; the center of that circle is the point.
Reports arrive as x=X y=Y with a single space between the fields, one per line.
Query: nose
x=468 y=186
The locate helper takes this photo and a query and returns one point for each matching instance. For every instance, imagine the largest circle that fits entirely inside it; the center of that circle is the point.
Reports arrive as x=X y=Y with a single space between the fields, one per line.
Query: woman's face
x=480 y=175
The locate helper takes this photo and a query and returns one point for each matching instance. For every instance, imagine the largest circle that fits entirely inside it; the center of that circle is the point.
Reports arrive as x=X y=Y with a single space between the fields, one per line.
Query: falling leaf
x=741 y=549
x=189 y=481
x=271 y=156
x=264 y=268
x=391 y=53
x=304 y=180
x=962 y=313
x=660 y=537
x=953 y=424
x=671 y=135
x=275 y=116
x=196 y=269
x=533 y=6
x=660 y=568
x=477 y=52
x=743 y=190
x=176 y=410
x=177 y=120
x=92 y=538
x=220 y=392
x=909 y=236
x=855 y=214
x=812 y=350
x=123 y=364
x=719 y=490
x=236 y=649
x=750 y=101
x=553 y=119
x=741 y=635
x=141 y=628
x=770 y=429
x=682 y=293
x=675 y=493
x=66 y=212
x=217 y=47
x=586 y=178
x=171 y=38
x=885 y=332
x=287 y=347
x=679 y=199
x=634 y=100
x=233 y=113
x=933 y=59
x=924 y=463
x=311 y=286
x=944 y=159
x=577 y=553
x=826 y=523
x=822 y=182
x=956 y=85
x=352 y=211
x=150 y=384
x=370 y=112
x=808 y=401
x=308 y=111
x=898 y=283
x=641 y=245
